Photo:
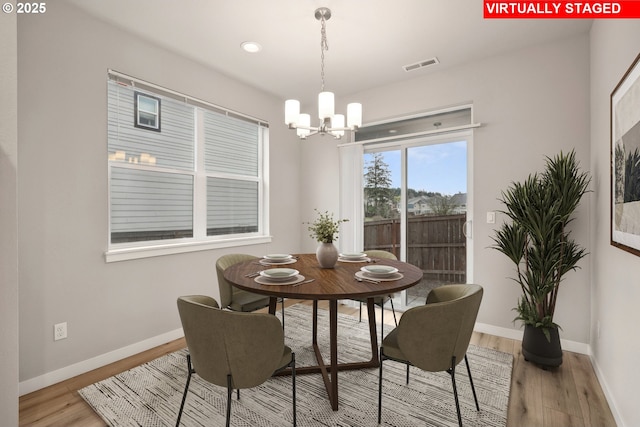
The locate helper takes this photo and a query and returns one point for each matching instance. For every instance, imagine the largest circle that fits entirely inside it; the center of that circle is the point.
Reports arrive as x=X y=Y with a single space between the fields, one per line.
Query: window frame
x=137 y=110
x=200 y=240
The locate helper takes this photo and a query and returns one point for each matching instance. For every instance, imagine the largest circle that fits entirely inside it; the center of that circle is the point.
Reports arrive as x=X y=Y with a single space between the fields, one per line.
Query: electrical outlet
x=491 y=217
x=59 y=331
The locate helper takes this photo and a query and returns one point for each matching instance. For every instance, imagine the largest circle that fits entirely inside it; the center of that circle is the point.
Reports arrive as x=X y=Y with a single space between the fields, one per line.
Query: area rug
x=150 y=394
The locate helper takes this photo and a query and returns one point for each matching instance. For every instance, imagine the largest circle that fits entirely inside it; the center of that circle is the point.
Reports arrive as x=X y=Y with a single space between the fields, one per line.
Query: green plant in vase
x=325 y=229
x=536 y=238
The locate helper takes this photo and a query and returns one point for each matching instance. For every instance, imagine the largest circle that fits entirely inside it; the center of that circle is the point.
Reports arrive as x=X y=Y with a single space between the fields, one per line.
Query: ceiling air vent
x=421 y=64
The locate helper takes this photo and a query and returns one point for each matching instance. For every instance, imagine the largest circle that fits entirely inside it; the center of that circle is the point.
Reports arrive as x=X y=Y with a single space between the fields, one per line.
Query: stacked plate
x=274 y=259
x=379 y=272
x=353 y=257
x=279 y=276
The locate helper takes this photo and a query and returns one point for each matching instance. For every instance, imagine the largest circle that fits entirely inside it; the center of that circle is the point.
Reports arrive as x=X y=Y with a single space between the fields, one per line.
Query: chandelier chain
x=323 y=46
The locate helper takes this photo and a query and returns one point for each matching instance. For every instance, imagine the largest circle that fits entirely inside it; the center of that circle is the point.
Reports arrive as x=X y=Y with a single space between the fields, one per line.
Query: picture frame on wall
x=625 y=161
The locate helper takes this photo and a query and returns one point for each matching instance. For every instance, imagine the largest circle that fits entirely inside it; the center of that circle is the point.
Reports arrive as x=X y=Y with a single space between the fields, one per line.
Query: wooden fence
x=434 y=243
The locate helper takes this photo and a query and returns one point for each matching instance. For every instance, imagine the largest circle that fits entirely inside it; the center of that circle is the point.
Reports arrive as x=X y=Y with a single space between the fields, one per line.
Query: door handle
x=467 y=229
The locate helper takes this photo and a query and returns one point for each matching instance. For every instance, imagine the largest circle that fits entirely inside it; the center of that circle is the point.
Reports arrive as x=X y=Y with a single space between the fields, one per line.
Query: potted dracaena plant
x=536 y=238
x=324 y=229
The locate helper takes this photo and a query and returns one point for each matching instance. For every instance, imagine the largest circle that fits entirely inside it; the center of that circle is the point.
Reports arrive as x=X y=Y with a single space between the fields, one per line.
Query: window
x=197 y=184
x=423 y=124
x=147 y=111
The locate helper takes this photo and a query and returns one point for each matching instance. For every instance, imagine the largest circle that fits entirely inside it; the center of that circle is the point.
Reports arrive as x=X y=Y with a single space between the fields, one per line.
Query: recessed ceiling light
x=251 y=47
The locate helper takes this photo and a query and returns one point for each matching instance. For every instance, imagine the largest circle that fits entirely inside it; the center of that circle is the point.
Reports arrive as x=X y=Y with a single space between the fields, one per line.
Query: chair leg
x=293 y=382
x=186 y=388
x=408 y=374
x=229 y=391
x=452 y=372
x=380 y=388
x=393 y=310
x=238 y=394
x=360 y=314
x=473 y=389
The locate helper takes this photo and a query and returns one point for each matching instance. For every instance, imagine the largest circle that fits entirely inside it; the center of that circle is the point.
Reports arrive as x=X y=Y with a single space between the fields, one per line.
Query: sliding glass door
x=416 y=200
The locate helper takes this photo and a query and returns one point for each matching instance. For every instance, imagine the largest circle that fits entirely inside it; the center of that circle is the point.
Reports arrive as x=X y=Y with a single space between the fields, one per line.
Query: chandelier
x=330 y=123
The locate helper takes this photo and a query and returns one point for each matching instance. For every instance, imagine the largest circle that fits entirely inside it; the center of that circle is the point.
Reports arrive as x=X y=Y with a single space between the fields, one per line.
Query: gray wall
x=8 y=221
x=62 y=182
x=615 y=273
x=532 y=103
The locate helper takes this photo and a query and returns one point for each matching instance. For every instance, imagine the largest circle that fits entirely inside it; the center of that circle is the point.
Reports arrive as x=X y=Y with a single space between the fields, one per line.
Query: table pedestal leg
x=273 y=303
x=330 y=383
x=371 y=312
x=330 y=373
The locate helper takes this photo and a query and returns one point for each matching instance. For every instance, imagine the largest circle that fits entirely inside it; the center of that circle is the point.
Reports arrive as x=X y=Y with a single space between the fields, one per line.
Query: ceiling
x=369 y=40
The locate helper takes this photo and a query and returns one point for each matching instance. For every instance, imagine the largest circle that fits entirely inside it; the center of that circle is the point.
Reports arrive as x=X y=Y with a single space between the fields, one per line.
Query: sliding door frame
x=403 y=146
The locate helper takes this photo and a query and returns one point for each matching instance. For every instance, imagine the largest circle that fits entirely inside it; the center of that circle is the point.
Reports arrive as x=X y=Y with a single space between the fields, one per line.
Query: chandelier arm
x=314 y=128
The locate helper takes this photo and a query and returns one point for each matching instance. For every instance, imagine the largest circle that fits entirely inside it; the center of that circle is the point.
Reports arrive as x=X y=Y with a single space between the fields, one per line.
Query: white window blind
x=232 y=167
x=232 y=206
x=172 y=148
x=231 y=145
x=148 y=205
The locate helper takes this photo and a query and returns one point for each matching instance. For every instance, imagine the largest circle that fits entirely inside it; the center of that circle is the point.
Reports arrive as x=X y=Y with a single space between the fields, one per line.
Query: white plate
x=379 y=270
x=365 y=259
x=292 y=281
x=389 y=278
x=277 y=257
x=267 y=262
x=353 y=255
x=279 y=274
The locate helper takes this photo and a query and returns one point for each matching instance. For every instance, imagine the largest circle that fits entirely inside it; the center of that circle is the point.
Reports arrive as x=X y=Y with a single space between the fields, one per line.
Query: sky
x=440 y=168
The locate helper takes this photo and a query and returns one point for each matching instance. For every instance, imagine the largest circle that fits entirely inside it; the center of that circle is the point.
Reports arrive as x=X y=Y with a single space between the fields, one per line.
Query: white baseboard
x=499 y=331
x=516 y=334
x=607 y=393
x=71 y=371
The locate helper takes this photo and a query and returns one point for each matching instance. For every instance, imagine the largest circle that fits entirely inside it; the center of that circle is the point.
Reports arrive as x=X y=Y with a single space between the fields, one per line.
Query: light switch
x=491 y=217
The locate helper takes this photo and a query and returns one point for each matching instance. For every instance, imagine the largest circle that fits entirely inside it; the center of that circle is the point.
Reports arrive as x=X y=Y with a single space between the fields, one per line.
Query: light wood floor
x=567 y=396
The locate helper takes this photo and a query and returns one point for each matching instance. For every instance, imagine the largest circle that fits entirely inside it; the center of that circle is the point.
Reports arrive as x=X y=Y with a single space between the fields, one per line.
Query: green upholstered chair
x=380 y=300
x=233 y=350
x=236 y=299
x=435 y=337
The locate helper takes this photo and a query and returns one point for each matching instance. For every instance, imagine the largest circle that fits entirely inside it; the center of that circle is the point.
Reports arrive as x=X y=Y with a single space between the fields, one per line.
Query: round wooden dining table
x=332 y=284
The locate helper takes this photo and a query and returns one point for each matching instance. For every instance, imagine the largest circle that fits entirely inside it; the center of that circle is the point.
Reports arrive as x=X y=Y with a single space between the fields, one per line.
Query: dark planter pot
x=537 y=349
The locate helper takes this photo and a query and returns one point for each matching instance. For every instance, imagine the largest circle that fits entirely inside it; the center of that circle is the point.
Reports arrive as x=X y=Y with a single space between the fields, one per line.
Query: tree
x=442 y=204
x=377 y=187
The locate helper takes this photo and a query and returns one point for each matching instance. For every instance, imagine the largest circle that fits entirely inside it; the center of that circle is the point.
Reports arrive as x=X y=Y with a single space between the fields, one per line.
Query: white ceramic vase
x=327 y=255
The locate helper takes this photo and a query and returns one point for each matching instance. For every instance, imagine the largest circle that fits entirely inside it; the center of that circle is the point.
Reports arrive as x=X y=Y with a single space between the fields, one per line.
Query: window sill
x=138 y=252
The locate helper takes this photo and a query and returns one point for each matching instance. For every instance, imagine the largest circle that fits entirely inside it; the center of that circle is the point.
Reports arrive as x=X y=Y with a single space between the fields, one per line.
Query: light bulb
x=291 y=111
x=354 y=115
x=325 y=105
